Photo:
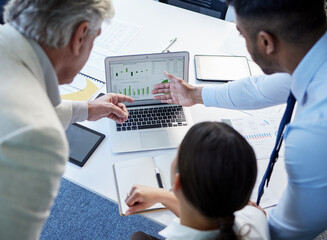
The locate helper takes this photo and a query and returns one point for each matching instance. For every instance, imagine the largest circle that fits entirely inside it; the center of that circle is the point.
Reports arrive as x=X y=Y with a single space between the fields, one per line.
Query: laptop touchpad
x=154 y=139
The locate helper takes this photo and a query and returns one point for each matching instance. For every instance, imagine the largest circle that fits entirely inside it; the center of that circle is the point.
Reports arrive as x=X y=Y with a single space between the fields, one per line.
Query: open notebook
x=83 y=88
x=141 y=171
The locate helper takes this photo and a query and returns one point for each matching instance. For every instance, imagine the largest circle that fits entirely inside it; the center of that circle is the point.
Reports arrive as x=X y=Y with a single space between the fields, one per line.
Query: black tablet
x=82 y=143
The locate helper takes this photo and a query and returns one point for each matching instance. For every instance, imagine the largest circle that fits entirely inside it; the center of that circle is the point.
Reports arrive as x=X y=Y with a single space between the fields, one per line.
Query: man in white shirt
x=43 y=43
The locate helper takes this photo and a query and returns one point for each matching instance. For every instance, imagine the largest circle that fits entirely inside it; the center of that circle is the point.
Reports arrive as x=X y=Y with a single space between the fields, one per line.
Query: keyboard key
x=149 y=126
x=181 y=120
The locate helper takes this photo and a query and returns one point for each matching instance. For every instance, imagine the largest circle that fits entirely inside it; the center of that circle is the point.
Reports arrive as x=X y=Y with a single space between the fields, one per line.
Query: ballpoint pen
x=159 y=178
x=169 y=45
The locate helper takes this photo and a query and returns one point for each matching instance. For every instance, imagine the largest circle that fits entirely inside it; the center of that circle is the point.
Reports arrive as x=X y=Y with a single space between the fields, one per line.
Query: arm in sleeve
x=32 y=161
x=249 y=93
x=71 y=112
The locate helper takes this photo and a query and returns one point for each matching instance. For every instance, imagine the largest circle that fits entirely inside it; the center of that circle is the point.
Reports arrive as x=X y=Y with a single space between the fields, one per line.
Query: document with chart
x=259 y=129
x=83 y=88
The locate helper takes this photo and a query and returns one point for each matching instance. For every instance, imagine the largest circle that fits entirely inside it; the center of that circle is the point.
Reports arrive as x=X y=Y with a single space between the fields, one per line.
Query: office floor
x=80 y=214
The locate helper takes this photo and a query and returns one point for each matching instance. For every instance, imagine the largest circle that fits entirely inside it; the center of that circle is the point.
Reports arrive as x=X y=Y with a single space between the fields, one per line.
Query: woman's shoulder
x=251 y=223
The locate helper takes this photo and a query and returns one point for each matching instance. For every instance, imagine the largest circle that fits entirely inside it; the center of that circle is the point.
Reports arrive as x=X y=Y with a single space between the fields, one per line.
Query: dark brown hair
x=218 y=171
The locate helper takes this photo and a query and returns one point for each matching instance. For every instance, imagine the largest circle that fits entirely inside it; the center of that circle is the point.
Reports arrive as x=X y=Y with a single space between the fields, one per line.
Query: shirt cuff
x=209 y=96
x=80 y=111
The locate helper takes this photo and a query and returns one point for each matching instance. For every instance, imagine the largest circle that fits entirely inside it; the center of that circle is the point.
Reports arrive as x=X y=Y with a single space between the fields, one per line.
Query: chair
x=214 y=8
x=2 y=3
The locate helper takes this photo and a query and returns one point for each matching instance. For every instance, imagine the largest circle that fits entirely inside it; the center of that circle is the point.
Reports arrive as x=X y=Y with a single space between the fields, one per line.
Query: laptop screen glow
x=136 y=79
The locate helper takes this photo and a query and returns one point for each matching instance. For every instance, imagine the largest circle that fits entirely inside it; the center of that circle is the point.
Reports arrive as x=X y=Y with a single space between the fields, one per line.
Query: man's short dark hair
x=292 y=20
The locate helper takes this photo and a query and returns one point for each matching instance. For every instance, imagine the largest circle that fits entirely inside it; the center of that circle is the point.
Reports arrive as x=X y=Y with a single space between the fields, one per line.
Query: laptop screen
x=135 y=77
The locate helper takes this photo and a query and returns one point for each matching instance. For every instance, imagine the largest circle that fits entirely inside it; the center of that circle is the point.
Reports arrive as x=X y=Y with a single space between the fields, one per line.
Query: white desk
x=196 y=33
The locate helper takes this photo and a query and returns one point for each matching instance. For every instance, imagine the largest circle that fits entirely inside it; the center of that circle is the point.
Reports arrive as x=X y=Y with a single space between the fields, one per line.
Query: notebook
x=141 y=171
x=151 y=124
x=82 y=88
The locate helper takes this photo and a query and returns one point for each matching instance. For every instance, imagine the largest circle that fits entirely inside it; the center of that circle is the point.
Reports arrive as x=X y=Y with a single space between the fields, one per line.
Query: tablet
x=82 y=143
x=221 y=68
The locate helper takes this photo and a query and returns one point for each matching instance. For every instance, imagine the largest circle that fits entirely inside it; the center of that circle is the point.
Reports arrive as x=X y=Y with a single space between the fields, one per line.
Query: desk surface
x=197 y=34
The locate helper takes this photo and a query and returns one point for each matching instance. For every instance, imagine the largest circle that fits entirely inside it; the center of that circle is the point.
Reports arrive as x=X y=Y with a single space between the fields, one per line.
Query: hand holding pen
x=142 y=197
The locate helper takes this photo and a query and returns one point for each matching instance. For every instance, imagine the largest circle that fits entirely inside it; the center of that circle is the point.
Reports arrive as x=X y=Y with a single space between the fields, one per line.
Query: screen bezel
x=140 y=57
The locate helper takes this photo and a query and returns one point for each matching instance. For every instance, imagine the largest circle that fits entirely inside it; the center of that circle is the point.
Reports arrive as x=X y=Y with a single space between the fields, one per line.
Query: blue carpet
x=80 y=214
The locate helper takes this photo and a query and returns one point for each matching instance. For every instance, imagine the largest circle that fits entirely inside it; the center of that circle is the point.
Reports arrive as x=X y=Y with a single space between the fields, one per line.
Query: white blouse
x=250 y=223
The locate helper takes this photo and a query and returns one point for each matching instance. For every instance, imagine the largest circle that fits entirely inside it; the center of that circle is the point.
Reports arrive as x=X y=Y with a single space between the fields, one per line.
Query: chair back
x=214 y=8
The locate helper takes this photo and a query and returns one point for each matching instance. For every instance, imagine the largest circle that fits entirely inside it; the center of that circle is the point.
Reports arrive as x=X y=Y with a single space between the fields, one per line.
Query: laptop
x=151 y=124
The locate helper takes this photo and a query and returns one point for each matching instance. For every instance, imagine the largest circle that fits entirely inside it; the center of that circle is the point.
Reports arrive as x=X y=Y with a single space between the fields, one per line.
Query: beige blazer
x=33 y=146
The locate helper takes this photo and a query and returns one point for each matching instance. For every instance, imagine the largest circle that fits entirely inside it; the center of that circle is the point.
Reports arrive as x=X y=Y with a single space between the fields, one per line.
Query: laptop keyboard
x=156 y=117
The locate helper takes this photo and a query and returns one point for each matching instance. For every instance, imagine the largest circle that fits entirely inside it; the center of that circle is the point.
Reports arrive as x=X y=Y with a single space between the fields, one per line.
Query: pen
x=169 y=45
x=159 y=178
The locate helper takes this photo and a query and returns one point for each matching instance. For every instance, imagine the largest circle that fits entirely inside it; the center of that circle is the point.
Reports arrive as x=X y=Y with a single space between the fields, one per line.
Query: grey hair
x=53 y=22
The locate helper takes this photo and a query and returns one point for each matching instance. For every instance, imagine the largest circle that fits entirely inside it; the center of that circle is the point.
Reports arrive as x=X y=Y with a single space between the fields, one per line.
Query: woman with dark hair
x=212 y=180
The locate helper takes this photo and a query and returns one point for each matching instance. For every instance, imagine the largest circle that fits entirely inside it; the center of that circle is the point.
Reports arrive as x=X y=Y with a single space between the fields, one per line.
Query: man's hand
x=110 y=106
x=142 y=197
x=177 y=91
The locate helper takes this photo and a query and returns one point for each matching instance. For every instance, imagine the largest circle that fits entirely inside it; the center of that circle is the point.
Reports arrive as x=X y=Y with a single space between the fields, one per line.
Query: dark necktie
x=274 y=155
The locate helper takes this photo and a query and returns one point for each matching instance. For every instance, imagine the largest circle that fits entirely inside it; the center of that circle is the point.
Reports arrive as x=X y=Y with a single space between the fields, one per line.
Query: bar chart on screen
x=83 y=88
x=137 y=79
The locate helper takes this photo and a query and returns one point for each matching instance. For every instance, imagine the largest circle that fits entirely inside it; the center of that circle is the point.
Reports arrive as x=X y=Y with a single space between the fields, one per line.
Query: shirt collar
x=50 y=76
x=177 y=231
x=308 y=66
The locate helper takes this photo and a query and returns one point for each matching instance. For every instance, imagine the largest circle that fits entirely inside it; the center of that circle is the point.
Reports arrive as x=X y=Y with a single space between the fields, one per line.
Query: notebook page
x=163 y=163
x=136 y=171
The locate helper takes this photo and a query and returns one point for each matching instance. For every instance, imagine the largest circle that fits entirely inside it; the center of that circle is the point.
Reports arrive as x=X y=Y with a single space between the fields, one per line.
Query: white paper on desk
x=141 y=171
x=259 y=133
x=95 y=66
x=268 y=199
x=115 y=36
x=259 y=129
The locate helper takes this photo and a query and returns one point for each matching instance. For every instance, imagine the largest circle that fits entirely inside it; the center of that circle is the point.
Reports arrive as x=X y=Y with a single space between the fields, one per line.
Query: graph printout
x=136 y=79
x=82 y=88
x=260 y=133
